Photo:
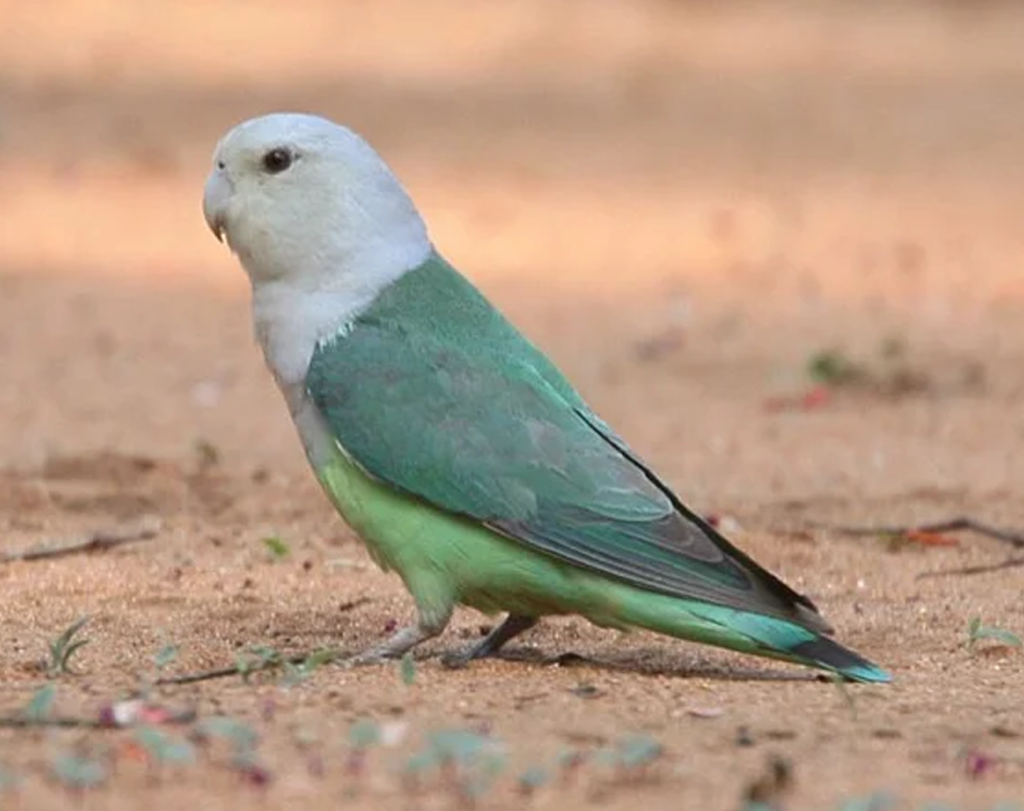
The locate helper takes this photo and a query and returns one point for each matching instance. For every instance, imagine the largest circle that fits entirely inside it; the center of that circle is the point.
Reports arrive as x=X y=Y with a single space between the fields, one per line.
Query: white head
x=320 y=225
x=303 y=200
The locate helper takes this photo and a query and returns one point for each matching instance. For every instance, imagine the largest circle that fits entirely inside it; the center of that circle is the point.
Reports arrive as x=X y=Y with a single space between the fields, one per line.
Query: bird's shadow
x=641 y=662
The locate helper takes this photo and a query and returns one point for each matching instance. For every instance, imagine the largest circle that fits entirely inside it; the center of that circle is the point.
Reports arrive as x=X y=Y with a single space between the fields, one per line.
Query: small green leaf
x=162 y=748
x=257 y=657
x=831 y=367
x=181 y=752
x=238 y=734
x=150 y=739
x=207 y=454
x=297 y=673
x=64 y=647
x=364 y=733
x=78 y=772
x=264 y=653
x=166 y=655
x=878 y=801
x=40 y=706
x=9 y=781
x=69 y=651
x=320 y=657
x=294 y=674
x=977 y=632
x=640 y=751
x=464 y=747
x=533 y=778
x=407 y=669
x=278 y=549
x=420 y=763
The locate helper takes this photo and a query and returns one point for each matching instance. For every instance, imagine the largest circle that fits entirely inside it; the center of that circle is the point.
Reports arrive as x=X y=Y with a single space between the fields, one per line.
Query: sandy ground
x=680 y=204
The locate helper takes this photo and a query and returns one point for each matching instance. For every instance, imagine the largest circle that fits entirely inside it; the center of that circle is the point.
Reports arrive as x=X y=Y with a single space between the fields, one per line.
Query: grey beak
x=216 y=196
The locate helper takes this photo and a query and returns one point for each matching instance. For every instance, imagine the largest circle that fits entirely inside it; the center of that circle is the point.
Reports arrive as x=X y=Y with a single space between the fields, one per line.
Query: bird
x=453 y=447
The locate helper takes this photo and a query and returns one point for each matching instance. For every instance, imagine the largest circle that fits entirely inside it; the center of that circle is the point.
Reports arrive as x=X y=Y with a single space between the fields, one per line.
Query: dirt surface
x=682 y=205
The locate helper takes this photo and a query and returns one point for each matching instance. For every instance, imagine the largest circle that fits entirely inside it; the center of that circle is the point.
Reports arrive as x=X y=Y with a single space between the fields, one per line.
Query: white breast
x=289 y=323
x=291 y=315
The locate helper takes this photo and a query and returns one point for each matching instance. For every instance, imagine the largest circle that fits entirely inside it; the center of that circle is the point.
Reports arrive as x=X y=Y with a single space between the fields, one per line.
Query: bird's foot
x=366 y=657
x=457 y=660
x=396 y=645
x=513 y=625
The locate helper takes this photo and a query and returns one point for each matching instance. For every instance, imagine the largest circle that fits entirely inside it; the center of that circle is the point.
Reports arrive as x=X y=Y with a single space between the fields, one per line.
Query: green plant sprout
x=64 y=647
x=296 y=674
x=532 y=780
x=278 y=549
x=221 y=727
x=976 y=632
x=364 y=734
x=40 y=706
x=407 y=670
x=165 y=656
x=162 y=749
x=254 y=658
x=76 y=772
x=832 y=367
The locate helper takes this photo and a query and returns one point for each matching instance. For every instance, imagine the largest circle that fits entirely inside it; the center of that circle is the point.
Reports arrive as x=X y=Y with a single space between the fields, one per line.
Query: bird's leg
x=513 y=625
x=401 y=642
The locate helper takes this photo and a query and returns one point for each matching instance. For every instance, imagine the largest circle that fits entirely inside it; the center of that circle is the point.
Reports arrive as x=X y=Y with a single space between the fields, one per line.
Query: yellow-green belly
x=444 y=559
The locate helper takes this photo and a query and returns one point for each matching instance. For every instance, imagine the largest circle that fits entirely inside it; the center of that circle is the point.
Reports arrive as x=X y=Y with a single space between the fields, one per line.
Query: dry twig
x=97 y=541
x=248 y=668
x=23 y=722
x=962 y=523
x=1009 y=563
x=322 y=656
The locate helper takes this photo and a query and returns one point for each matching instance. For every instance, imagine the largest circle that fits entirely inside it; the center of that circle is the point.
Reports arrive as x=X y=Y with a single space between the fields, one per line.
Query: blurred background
x=688 y=204
x=778 y=245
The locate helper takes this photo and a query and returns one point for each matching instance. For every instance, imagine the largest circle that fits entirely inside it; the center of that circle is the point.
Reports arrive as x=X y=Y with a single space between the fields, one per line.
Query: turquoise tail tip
x=867 y=672
x=831 y=655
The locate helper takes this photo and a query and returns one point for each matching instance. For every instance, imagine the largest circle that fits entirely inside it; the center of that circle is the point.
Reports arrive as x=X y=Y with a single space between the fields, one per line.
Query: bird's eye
x=277 y=160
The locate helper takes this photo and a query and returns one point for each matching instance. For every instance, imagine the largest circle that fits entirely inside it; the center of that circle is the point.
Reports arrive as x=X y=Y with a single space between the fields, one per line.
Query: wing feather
x=489 y=436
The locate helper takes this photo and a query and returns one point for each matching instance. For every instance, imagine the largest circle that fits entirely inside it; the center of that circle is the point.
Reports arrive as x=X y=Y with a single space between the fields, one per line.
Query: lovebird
x=452 y=446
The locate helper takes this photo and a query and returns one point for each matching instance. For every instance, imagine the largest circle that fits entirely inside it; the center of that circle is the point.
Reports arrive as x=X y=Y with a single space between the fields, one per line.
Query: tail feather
x=788 y=641
x=749 y=633
x=832 y=656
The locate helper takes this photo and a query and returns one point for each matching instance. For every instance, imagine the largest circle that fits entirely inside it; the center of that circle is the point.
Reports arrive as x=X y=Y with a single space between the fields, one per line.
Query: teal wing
x=490 y=436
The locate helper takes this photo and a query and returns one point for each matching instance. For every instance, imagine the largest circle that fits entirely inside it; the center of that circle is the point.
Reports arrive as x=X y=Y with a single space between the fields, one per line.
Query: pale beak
x=216 y=196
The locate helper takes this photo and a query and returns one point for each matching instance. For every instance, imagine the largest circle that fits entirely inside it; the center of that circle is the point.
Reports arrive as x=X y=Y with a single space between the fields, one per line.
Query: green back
x=433 y=392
